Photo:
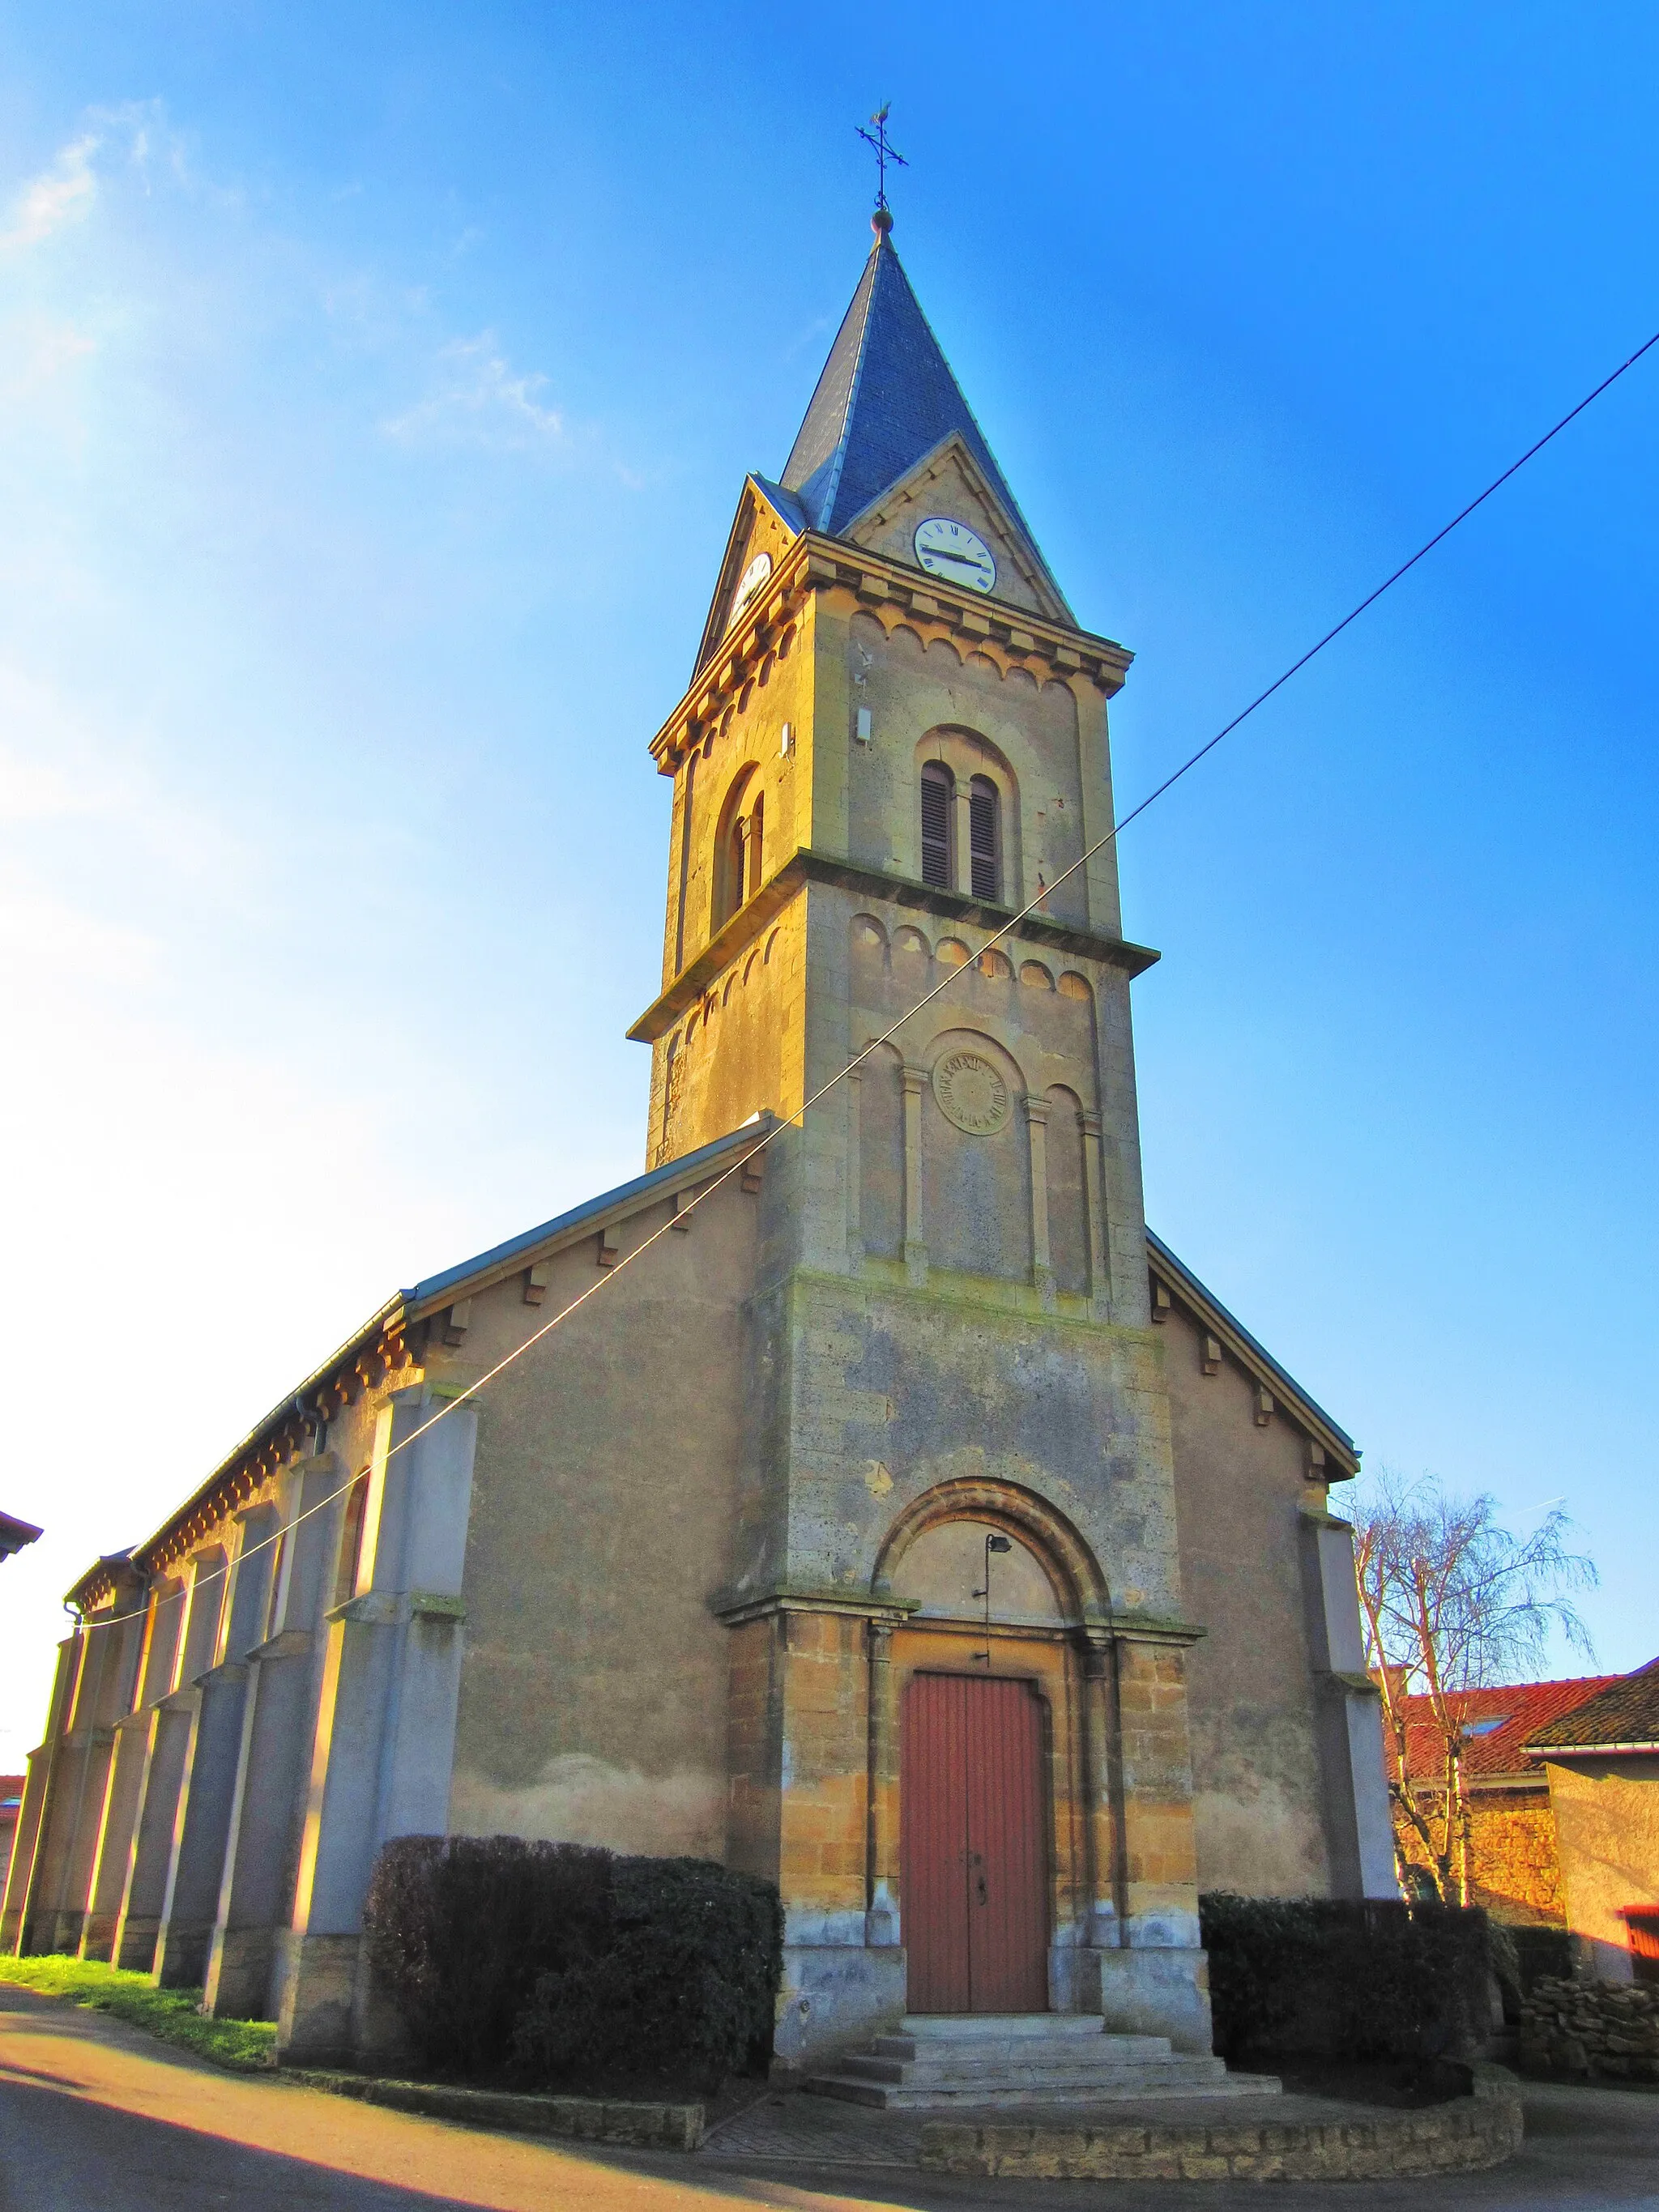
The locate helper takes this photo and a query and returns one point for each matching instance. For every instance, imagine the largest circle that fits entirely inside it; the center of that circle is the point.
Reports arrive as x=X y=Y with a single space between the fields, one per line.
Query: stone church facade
x=907 y=1524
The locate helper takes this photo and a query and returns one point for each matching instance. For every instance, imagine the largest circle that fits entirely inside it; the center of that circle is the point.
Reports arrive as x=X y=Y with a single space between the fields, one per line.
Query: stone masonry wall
x=1514 y=1865
x=1592 y=2027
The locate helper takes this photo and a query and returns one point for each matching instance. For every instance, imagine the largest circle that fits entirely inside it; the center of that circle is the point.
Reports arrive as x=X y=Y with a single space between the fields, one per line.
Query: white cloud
x=60 y=195
x=479 y=398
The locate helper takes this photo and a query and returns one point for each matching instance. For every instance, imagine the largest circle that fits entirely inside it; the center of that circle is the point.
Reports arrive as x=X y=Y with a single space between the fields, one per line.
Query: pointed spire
x=887 y=397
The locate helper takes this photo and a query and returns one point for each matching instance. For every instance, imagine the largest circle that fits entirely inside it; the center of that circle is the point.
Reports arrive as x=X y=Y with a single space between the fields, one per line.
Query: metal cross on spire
x=884 y=153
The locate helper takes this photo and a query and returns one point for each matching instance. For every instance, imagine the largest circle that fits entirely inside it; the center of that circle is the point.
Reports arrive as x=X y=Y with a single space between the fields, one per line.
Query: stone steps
x=1002 y=2062
x=906 y=2058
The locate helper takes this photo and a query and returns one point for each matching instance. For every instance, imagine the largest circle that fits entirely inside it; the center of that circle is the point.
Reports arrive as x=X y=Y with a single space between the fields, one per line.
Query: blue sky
x=377 y=385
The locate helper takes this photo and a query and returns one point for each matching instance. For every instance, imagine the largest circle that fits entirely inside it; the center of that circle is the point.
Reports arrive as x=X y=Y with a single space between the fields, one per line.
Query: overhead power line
x=1006 y=929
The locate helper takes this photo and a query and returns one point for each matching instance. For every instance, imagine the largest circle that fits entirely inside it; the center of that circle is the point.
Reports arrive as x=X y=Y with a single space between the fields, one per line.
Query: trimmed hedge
x=561 y=1965
x=1347 y=1979
x=688 y=1982
x=459 y=1927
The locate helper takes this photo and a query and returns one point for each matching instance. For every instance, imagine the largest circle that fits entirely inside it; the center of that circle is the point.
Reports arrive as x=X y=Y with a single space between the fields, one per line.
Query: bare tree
x=1453 y=1602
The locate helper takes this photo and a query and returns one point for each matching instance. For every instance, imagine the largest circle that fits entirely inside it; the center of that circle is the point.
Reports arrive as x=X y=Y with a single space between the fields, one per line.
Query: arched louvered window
x=938 y=785
x=984 y=838
x=737 y=845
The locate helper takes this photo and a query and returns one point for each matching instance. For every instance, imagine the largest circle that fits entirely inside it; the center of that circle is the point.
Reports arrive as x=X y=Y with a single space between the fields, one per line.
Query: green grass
x=174 y=2015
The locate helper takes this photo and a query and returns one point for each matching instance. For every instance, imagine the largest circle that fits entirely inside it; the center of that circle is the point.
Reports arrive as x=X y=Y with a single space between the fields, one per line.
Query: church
x=894 y=1515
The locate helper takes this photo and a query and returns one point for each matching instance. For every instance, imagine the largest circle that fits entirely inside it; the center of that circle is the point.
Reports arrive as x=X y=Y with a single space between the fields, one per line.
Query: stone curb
x=1463 y=2136
x=583 y=2119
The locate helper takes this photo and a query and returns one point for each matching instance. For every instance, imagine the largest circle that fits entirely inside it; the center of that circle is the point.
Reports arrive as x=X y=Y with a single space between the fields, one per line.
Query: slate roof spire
x=887 y=397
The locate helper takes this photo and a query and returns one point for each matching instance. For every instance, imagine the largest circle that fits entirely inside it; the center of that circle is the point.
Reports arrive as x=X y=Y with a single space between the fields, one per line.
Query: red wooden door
x=974 y=1860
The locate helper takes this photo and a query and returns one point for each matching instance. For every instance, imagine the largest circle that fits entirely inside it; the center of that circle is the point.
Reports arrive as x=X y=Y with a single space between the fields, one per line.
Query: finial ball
x=881 y=221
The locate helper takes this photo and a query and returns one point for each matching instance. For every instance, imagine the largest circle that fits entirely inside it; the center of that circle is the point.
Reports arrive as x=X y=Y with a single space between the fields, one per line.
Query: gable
x=768 y=521
x=1333 y=1455
x=949 y=482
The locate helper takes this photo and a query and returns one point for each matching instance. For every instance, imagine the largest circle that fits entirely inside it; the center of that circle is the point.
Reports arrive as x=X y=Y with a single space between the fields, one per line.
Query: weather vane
x=884 y=153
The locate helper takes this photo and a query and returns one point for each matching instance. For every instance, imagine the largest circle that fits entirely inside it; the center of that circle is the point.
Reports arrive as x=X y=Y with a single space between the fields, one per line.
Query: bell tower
x=895 y=739
x=891 y=693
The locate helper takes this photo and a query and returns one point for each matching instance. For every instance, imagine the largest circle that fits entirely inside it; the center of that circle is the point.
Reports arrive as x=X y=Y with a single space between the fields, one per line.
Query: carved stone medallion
x=971 y=1093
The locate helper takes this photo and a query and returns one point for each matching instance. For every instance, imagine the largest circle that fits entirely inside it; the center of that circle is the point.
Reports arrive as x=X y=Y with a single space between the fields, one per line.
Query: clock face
x=752 y=578
x=952 y=551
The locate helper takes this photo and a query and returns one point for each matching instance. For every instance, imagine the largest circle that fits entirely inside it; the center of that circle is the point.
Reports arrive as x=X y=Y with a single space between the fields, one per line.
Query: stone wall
x=1515 y=1868
x=1465 y=2135
x=1592 y=2027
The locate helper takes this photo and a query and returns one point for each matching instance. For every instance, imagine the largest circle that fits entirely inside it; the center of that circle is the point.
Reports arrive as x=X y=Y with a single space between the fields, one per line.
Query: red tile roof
x=1626 y=1712
x=1521 y=1710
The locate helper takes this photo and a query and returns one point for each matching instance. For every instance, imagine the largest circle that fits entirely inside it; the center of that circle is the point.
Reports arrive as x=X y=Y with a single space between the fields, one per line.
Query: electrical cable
x=1006 y=928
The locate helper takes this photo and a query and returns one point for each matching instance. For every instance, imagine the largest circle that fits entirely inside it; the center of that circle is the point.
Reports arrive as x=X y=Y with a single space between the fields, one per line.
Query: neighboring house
x=908 y=1491
x=1601 y=1760
x=11 y=1797
x=1516 y=1871
x=14 y=1535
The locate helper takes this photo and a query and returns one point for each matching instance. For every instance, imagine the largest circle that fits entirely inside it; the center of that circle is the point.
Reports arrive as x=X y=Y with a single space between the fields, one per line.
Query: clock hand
x=968 y=560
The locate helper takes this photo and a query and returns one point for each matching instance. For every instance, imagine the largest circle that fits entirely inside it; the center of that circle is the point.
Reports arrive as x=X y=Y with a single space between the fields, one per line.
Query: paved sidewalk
x=94 y=2117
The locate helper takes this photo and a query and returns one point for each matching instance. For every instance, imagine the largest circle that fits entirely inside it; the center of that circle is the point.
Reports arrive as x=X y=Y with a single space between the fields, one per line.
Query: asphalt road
x=96 y=2118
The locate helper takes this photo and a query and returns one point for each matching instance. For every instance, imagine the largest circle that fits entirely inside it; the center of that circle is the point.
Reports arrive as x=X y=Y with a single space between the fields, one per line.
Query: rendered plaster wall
x=1606 y=1826
x=594 y=1682
x=1259 y=1787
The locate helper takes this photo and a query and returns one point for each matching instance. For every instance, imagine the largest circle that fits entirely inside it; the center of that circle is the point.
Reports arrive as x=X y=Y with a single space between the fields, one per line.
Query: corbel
x=1264 y=1404
x=754 y=1171
x=608 y=1250
x=1162 y=1302
x=1315 y=1470
x=457 y=1323
x=1212 y=1355
x=534 y=1283
x=683 y=1202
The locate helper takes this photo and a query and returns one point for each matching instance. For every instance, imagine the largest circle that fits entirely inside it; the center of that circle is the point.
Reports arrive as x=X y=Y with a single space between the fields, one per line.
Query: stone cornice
x=806 y=866
x=1125 y=1625
x=1115 y=1626
x=891 y=1612
x=1010 y=634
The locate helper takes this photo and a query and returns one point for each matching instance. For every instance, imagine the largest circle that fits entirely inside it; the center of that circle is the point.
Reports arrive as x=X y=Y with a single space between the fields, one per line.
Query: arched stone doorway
x=991 y=1784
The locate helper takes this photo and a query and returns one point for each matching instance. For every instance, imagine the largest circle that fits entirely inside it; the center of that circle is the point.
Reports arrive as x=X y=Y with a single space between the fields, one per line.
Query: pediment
x=766 y=521
x=948 y=481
